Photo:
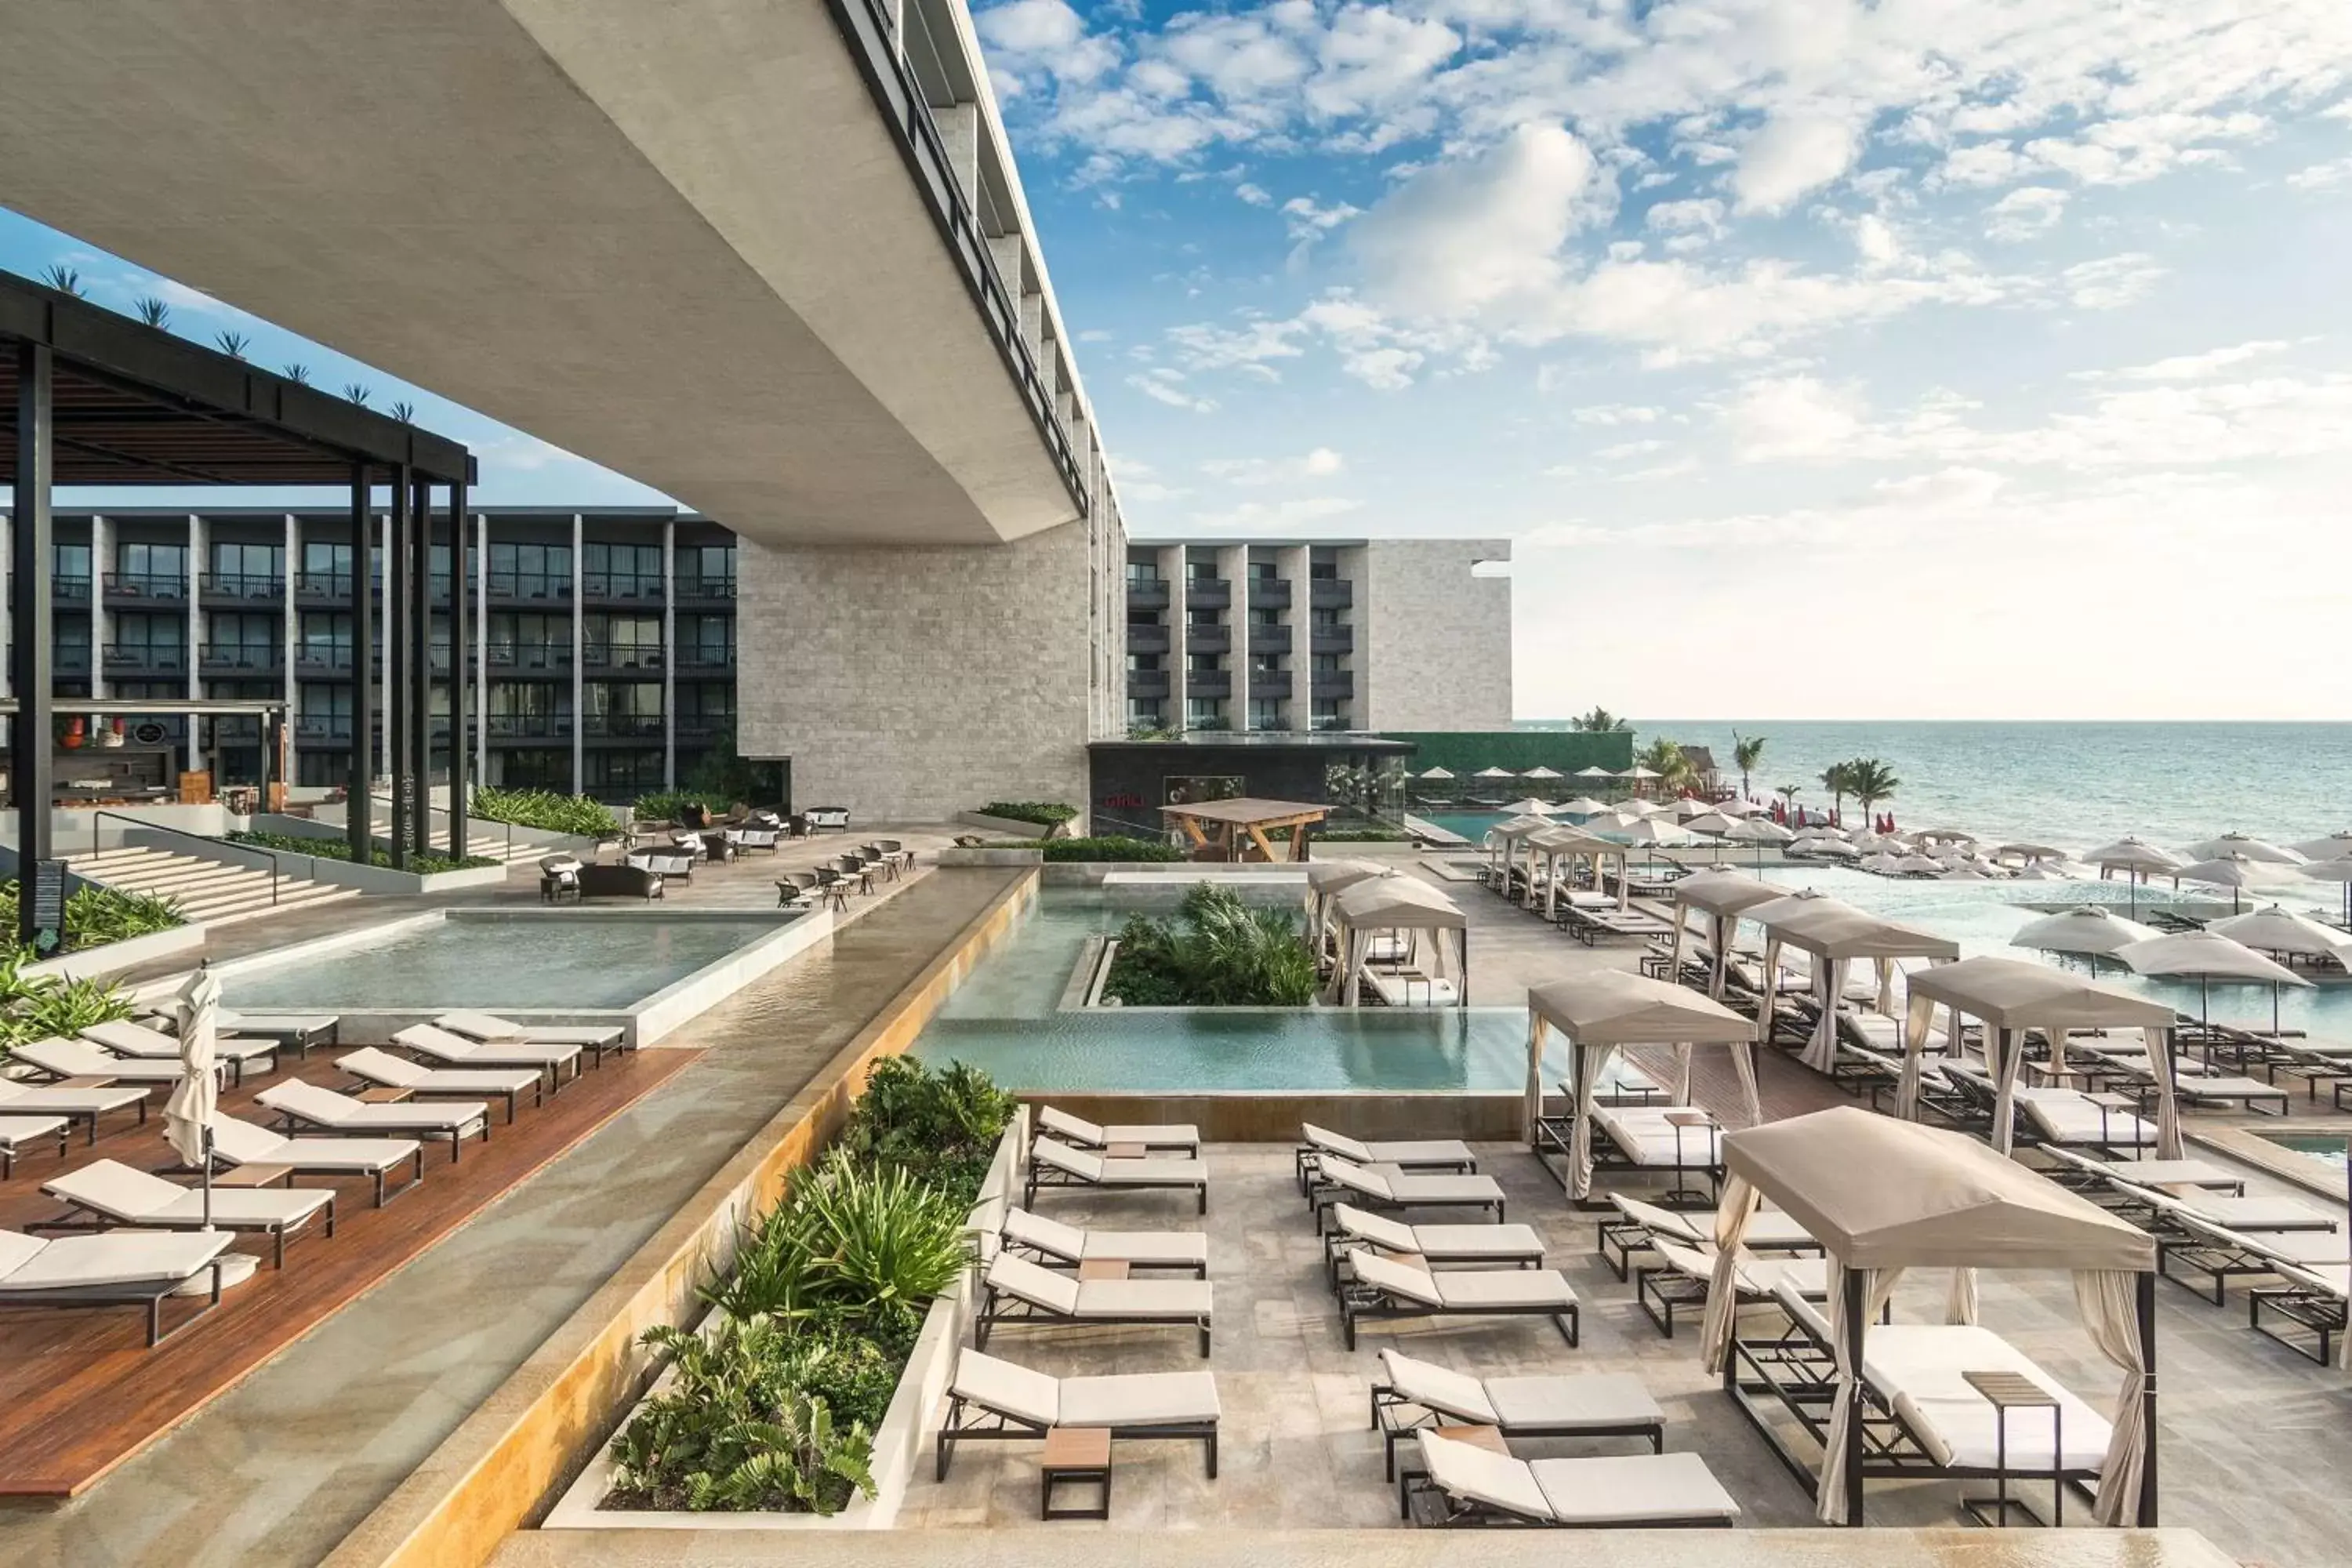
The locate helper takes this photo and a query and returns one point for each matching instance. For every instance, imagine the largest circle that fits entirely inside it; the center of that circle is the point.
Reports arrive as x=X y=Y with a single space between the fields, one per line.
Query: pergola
x=1722 y=896
x=1603 y=1012
x=90 y=397
x=1503 y=842
x=1882 y=1196
x=2010 y=997
x=1234 y=828
x=1404 y=904
x=1836 y=935
x=1326 y=881
x=1558 y=844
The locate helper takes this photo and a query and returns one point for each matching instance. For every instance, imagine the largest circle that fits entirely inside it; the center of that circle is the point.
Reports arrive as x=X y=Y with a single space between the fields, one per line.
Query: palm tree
x=1870 y=781
x=1665 y=759
x=1599 y=722
x=406 y=412
x=1789 y=793
x=64 y=279
x=154 y=312
x=233 y=344
x=1747 y=751
x=1837 y=779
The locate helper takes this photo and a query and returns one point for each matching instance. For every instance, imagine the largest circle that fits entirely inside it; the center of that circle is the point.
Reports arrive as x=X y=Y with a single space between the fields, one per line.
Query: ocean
x=2068 y=785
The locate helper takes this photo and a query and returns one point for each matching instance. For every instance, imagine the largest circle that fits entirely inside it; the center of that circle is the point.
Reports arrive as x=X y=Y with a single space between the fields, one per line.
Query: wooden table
x=1075 y=1456
x=82 y=1082
x=253 y=1177
x=1125 y=1151
x=386 y=1095
x=1103 y=1268
x=1409 y=1467
x=2005 y=1392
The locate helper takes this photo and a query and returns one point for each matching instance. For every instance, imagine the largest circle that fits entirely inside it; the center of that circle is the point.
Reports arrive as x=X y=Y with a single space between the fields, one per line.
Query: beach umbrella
x=2209 y=957
x=1649 y=830
x=1962 y=874
x=1946 y=835
x=1691 y=806
x=2137 y=857
x=1638 y=772
x=2336 y=870
x=1648 y=808
x=1583 y=805
x=1594 y=773
x=1434 y=773
x=1531 y=806
x=1540 y=773
x=2087 y=931
x=2042 y=872
x=1494 y=773
x=188 y=1113
x=2335 y=846
x=1885 y=863
x=1919 y=865
x=2030 y=852
x=1741 y=809
x=1836 y=850
x=1714 y=824
x=2278 y=930
x=2242 y=846
x=1759 y=831
x=2231 y=871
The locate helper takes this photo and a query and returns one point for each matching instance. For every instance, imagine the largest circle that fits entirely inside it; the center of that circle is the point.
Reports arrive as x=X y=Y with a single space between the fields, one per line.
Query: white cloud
x=2111 y=281
x=1253 y=196
x=2195 y=367
x=1319 y=464
x=1791 y=417
x=1615 y=413
x=2025 y=212
x=1046 y=35
x=2322 y=176
x=1166 y=386
x=1477 y=233
x=1140 y=482
x=1624 y=449
x=1790 y=157
x=1275 y=517
x=1703 y=215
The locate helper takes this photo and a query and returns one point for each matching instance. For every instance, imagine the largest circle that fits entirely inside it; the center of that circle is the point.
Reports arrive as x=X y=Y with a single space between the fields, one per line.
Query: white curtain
x=2160 y=1046
x=1682 y=1054
x=1675 y=957
x=1960 y=1299
x=1829 y=986
x=2007 y=1047
x=2108 y=1299
x=1887 y=986
x=1725 y=928
x=1878 y=1289
x=1743 y=1062
x=1918 y=1020
x=1766 y=1015
x=1741 y=1200
x=1536 y=1028
x=1591 y=1061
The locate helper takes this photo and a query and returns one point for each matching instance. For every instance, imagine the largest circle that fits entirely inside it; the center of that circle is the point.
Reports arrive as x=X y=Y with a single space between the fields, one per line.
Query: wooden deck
x=81 y=1393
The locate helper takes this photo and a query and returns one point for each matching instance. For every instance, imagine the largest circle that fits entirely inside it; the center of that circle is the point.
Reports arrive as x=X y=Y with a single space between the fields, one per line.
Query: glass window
x=1323 y=570
x=1326 y=619
x=1204 y=663
x=138 y=558
x=1142 y=663
x=134 y=630
x=1268 y=663
x=236 y=559
x=1203 y=617
x=1143 y=572
x=1266 y=712
x=1265 y=618
x=1201 y=570
x=69 y=561
x=1261 y=570
x=1326 y=664
x=710 y=565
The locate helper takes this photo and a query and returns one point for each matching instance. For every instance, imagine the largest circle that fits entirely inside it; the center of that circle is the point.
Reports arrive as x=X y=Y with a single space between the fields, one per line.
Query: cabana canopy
x=1396 y=903
x=1236 y=829
x=1604 y=1011
x=1935 y=1199
x=1558 y=843
x=1326 y=881
x=1722 y=896
x=1836 y=935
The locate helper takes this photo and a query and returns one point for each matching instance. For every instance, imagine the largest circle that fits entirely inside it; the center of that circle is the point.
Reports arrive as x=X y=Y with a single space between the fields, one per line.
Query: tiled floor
x=2255 y=1441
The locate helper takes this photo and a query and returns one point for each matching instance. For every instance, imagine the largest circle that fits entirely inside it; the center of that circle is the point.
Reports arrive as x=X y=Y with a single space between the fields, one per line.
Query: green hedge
x=669 y=805
x=1359 y=834
x=422 y=863
x=1107 y=849
x=96 y=915
x=1218 y=952
x=35 y=1009
x=544 y=808
x=1044 y=813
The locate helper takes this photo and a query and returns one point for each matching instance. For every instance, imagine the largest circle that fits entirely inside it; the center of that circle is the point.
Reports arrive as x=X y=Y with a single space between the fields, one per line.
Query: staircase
x=205 y=890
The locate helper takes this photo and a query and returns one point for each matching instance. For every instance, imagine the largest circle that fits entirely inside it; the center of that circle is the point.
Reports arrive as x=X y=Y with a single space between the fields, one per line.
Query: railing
x=241 y=656
x=323 y=659
x=146 y=585
x=527 y=655
x=328 y=585
x=69 y=590
x=620 y=656
x=169 y=658
x=96 y=816
x=694 y=657
x=531 y=585
x=627 y=587
x=622 y=725
x=529 y=726
x=331 y=727
x=705 y=587
x=244 y=585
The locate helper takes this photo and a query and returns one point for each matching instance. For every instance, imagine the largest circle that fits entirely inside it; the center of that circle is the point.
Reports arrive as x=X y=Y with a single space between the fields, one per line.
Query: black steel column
x=420 y=632
x=1857 y=1316
x=30 y=652
x=395 y=668
x=2143 y=1302
x=359 y=809
x=461 y=644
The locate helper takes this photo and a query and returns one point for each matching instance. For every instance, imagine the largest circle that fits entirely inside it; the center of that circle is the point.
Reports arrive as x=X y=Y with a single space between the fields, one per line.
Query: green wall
x=1464 y=751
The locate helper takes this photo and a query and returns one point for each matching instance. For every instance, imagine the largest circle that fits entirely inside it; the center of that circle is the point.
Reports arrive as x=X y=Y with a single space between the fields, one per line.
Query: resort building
x=1252 y=635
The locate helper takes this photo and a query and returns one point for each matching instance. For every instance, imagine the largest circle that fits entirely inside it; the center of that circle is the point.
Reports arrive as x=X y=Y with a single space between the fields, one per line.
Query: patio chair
x=238 y=1142
x=435 y=1044
x=124 y=1268
x=125 y=1038
x=79 y=1058
x=1605 y=1492
x=1053 y=1164
x=112 y=1194
x=1015 y=1290
x=1420 y=1155
x=1517 y=1246
x=23 y=1132
x=1083 y=1134
x=1377 y=1188
x=300 y=1030
x=1419 y=1393
x=799 y=890
x=384 y=1070
x=75 y=1105
x=490 y=1029
x=992 y=1399
x=1385 y=1288
x=309 y=1104
x=1050 y=1242
x=559 y=878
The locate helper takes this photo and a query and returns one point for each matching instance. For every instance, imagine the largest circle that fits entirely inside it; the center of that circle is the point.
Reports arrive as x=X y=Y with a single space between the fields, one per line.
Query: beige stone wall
x=911 y=684
x=1433 y=642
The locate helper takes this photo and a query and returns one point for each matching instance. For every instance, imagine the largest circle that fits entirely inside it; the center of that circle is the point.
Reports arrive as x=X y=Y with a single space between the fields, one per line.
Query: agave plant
x=404 y=411
x=356 y=392
x=233 y=344
x=296 y=373
x=153 y=312
x=880 y=1244
x=64 y=279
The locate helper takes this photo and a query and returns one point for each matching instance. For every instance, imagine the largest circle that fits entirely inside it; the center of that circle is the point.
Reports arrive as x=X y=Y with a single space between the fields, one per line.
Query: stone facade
x=910 y=684
x=1432 y=641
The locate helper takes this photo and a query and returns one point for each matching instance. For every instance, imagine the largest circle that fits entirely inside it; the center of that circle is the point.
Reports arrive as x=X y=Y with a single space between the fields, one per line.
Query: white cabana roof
x=1760 y=830
x=1724 y=892
x=2014 y=994
x=1494 y=773
x=2087 y=930
x=1433 y=774
x=1335 y=875
x=1564 y=840
x=1540 y=773
x=1594 y=773
x=1583 y=805
x=1617 y=1007
x=1397 y=903
x=1932 y=1199
x=1713 y=822
x=1520 y=826
x=1830 y=929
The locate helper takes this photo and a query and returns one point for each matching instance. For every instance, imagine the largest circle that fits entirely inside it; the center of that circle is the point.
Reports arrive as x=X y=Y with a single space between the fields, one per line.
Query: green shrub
x=1218 y=952
x=422 y=862
x=1378 y=835
x=1045 y=813
x=669 y=805
x=943 y=1126
x=96 y=915
x=544 y=808
x=1108 y=847
x=34 y=1007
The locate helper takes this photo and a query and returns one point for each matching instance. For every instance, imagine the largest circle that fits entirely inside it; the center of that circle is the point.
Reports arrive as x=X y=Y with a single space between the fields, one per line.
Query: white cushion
x=1355 y=1178
x=1183 y=1299
x=1481 y=1241
x=1423 y=1151
x=1153 y=1173
x=1347 y=1148
x=1472 y=1288
x=1467 y=1470
x=1063 y=1241
x=1069 y=1126
x=121 y=1257
x=1018 y=1277
x=1632 y=1489
x=1139 y=1399
x=1166 y=1248
x=1173 y=1132
x=15 y=1130
x=1072 y=1162
x=1397 y=1279
x=1438 y=1388
x=1596 y=1399
x=1002 y=1386
x=1917 y=1368
x=1645 y=1136
x=1411 y=1190
x=1389 y=1234
x=114 y=1189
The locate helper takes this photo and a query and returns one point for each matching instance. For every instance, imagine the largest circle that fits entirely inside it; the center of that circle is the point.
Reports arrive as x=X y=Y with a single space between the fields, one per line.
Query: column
x=1232 y=565
x=101 y=619
x=463 y=657
x=1290 y=565
x=669 y=653
x=397 y=652
x=8 y=576
x=30 y=644
x=379 y=578
x=194 y=652
x=1180 y=685
x=420 y=669
x=482 y=647
x=290 y=633
x=579 y=660
x=359 y=796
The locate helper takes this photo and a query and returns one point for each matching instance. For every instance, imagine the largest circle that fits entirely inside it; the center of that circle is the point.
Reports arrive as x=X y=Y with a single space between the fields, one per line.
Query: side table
x=2005 y=1392
x=1075 y=1456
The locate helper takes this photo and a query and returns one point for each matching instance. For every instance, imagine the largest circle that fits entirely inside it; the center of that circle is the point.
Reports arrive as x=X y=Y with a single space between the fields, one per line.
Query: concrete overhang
x=679 y=240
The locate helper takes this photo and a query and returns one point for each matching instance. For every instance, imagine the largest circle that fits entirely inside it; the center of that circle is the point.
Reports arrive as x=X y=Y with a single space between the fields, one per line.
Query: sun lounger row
x=109 y=1194
x=1422 y=1156
x=130 y=1269
x=1426 y=1245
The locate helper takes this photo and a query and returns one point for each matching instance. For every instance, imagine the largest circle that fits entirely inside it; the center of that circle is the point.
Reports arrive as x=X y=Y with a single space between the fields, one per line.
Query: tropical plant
x=1599 y=722
x=669 y=805
x=574 y=814
x=35 y=1007
x=233 y=344
x=1870 y=781
x=356 y=392
x=1045 y=813
x=941 y=1125
x=96 y=915
x=404 y=411
x=1665 y=759
x=1789 y=793
x=425 y=863
x=296 y=373
x=152 y=312
x=1747 y=751
x=737 y=1430
x=64 y=279
x=1219 y=952
x=1107 y=847
x=879 y=1243
x=1837 y=778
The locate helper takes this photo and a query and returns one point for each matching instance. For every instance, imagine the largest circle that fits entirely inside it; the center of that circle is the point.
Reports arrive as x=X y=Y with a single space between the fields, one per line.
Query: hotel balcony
x=130 y=660
x=528 y=727
x=1269 y=594
x=706 y=662
x=1147 y=592
x=322 y=661
x=695 y=591
x=324 y=588
x=620 y=588
x=623 y=727
x=1328 y=683
x=1331 y=639
x=528 y=660
x=231 y=589
x=1269 y=639
x=1147 y=683
x=256 y=659
x=1205 y=639
x=323 y=730
x=1208 y=594
x=1330 y=594
x=69 y=593
x=530 y=587
x=1147 y=639
x=132 y=589
x=627 y=658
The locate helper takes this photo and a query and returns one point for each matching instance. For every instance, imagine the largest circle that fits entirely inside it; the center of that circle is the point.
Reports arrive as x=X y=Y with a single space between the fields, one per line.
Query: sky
x=1925 y=359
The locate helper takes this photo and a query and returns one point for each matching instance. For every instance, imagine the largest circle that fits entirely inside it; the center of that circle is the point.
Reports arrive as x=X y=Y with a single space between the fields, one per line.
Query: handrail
x=274 y=868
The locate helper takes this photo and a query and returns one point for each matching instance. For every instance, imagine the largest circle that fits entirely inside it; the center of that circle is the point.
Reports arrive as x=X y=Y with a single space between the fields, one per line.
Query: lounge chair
x=79 y=1058
x=2093 y=1177
x=309 y=1104
x=1016 y=1291
x=2220 y=1253
x=440 y=1045
x=129 y=1268
x=385 y=1070
x=1420 y=1395
x=1397 y=988
x=623 y=881
x=2311 y=1295
x=300 y=1030
x=75 y=1105
x=243 y=1143
x=1517 y=1246
x=1684 y=1276
x=1422 y=1155
x=1053 y=1164
x=1050 y=1242
x=1385 y=1288
x=559 y=878
x=21 y=1133
x=992 y=1399
x=492 y=1030
x=125 y=1038
x=1340 y=1181
x=1637 y=1225
x=1081 y=1134
x=1605 y=1492
x=114 y=1194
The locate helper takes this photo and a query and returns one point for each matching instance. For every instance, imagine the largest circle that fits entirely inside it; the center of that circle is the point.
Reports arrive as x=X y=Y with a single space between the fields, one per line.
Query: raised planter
x=117 y=956
x=322 y=867
x=954 y=857
x=897 y=1443
x=1014 y=827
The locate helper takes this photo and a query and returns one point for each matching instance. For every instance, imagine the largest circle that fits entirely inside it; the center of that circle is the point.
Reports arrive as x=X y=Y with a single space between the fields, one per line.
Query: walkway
x=277 y=1470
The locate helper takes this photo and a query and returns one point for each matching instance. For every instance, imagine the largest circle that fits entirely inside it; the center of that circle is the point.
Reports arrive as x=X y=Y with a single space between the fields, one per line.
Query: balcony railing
x=235 y=658
x=245 y=587
x=1147 y=592
x=323 y=659
x=69 y=659
x=529 y=726
x=716 y=589
x=620 y=656
x=69 y=590
x=1145 y=639
x=163 y=657
x=531 y=588
x=328 y=728
x=620 y=726
x=704 y=726
x=323 y=587
x=524 y=657
x=1269 y=592
x=147 y=587
x=705 y=656
x=1330 y=594
x=622 y=587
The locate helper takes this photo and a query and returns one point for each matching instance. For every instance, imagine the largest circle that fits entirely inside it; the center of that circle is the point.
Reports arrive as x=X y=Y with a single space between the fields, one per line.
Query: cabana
x=1559 y=844
x=1405 y=905
x=1326 y=881
x=2010 y=997
x=1236 y=829
x=1602 y=1012
x=1722 y=896
x=1503 y=841
x=1933 y=1199
x=1836 y=935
